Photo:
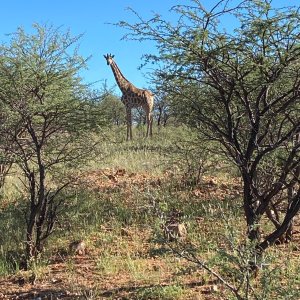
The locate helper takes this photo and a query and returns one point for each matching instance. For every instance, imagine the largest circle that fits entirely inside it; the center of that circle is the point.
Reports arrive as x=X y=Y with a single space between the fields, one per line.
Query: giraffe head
x=109 y=58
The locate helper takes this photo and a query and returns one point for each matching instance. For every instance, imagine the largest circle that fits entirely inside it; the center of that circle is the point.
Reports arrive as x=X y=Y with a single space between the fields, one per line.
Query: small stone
x=175 y=231
x=77 y=247
x=214 y=288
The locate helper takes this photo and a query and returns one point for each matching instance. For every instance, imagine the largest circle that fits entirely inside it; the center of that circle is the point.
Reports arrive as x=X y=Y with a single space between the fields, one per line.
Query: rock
x=214 y=288
x=77 y=247
x=175 y=231
x=120 y=172
x=125 y=232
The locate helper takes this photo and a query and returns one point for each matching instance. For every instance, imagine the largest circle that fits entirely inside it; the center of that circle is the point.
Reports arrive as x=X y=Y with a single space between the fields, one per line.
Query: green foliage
x=113 y=110
x=239 y=88
x=43 y=120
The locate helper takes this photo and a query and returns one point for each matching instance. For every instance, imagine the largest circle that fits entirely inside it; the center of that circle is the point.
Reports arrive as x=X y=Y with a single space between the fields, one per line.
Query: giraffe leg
x=129 y=124
x=147 y=121
x=149 y=125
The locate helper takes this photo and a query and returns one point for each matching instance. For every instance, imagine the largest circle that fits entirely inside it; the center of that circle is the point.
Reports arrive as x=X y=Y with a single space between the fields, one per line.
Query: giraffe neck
x=122 y=82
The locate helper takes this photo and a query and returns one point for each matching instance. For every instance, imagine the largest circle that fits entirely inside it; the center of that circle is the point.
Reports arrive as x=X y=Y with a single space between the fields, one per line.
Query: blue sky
x=91 y=17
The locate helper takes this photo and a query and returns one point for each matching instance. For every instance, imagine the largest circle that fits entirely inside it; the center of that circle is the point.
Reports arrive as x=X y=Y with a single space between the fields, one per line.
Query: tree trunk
x=253 y=230
x=293 y=209
x=30 y=249
x=38 y=211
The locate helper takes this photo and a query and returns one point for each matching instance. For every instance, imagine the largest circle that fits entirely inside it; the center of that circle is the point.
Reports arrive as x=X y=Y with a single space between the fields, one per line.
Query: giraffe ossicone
x=132 y=97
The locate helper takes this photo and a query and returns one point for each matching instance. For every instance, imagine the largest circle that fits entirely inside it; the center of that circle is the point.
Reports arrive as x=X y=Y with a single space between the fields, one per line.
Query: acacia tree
x=43 y=120
x=241 y=88
x=112 y=109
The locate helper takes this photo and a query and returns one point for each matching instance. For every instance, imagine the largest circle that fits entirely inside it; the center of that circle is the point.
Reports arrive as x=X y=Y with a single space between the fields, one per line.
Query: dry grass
x=119 y=213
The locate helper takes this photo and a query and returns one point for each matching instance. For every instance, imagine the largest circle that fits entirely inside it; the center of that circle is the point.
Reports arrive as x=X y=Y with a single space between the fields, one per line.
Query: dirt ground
x=78 y=276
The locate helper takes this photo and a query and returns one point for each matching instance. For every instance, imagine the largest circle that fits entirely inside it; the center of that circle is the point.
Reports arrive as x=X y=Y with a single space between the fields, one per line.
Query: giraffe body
x=132 y=97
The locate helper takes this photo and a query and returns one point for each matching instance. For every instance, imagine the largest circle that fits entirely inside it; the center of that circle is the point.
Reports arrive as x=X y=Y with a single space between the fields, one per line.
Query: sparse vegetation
x=86 y=215
x=120 y=213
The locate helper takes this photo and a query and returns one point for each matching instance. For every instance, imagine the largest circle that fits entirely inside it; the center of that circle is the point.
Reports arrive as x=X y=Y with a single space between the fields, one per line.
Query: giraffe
x=132 y=97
